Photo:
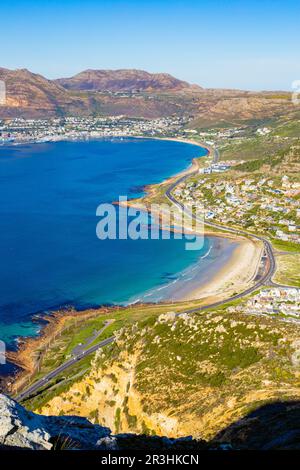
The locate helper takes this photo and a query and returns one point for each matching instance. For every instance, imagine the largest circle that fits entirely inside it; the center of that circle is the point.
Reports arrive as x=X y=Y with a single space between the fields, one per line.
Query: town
x=278 y=301
x=256 y=202
x=46 y=130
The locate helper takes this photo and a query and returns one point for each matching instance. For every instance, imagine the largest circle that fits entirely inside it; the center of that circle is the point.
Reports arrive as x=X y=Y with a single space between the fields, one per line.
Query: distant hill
x=125 y=80
x=32 y=95
x=110 y=92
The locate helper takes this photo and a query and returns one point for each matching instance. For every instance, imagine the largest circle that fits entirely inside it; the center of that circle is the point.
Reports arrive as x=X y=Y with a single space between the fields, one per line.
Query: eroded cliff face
x=187 y=375
x=108 y=396
x=22 y=429
x=274 y=426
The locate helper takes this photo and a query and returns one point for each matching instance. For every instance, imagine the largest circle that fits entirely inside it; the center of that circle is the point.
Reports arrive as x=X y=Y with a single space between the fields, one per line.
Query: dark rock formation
x=275 y=426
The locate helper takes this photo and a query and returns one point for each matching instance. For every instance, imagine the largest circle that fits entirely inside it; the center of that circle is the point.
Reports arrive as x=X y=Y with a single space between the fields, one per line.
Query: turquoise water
x=50 y=255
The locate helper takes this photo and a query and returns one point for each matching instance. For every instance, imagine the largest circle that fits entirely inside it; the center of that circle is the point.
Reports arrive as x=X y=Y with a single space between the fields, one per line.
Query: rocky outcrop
x=21 y=429
x=275 y=426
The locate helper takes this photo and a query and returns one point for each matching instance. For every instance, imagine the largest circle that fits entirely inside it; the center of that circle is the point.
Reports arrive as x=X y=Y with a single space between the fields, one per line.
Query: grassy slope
x=288 y=269
x=203 y=371
x=76 y=332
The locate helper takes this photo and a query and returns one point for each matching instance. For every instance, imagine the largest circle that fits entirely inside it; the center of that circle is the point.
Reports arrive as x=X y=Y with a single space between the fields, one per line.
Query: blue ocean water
x=49 y=253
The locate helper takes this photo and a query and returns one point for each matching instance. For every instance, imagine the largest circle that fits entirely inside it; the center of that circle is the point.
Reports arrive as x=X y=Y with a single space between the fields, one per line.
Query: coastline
x=87 y=138
x=31 y=349
x=239 y=271
x=233 y=275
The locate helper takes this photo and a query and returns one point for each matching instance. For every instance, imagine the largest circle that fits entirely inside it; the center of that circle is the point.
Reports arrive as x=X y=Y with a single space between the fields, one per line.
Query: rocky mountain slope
x=184 y=375
x=275 y=426
x=125 y=81
x=22 y=429
x=104 y=92
x=32 y=95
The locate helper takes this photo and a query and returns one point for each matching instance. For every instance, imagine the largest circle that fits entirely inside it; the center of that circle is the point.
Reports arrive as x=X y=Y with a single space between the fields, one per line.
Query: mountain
x=32 y=95
x=109 y=93
x=228 y=108
x=126 y=80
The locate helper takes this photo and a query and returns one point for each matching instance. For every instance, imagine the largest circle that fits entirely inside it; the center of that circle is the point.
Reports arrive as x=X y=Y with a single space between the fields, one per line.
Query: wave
x=207 y=254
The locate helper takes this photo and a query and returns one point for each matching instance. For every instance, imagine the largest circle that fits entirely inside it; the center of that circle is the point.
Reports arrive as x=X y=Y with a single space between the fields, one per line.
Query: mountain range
x=125 y=81
x=134 y=93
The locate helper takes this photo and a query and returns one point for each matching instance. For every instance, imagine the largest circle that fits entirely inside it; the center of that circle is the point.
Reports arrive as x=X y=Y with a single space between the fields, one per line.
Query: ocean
x=50 y=256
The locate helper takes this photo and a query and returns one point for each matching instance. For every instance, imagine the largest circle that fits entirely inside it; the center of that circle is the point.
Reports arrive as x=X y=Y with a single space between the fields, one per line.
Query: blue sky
x=230 y=43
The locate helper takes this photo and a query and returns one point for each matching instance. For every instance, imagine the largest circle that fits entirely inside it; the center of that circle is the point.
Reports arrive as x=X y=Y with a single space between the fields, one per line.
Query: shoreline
x=95 y=138
x=239 y=271
x=235 y=275
x=30 y=350
x=219 y=284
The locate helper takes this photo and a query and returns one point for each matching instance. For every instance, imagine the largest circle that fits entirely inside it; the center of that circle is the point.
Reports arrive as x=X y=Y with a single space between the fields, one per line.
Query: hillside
x=226 y=364
x=228 y=108
x=135 y=93
x=32 y=95
x=125 y=81
x=20 y=430
x=271 y=427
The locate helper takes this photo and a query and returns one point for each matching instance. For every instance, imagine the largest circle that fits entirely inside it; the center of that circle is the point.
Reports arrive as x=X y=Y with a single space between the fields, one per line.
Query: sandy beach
x=188 y=141
x=235 y=276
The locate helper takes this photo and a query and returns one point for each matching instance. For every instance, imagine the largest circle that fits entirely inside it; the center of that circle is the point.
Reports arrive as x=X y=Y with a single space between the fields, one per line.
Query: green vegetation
x=206 y=369
x=289 y=129
x=59 y=349
x=223 y=347
x=286 y=246
x=118 y=419
x=263 y=149
x=271 y=160
x=288 y=272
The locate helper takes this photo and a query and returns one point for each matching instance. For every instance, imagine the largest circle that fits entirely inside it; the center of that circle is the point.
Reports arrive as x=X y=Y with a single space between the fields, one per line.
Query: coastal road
x=270 y=265
x=216 y=155
x=46 y=379
x=82 y=347
x=266 y=279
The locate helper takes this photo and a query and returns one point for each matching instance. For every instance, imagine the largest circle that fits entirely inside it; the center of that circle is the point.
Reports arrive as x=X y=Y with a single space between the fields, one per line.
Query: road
x=46 y=379
x=216 y=155
x=270 y=266
x=266 y=279
x=81 y=347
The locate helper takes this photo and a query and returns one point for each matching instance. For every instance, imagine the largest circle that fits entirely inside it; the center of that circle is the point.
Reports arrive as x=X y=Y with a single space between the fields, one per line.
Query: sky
x=245 y=44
